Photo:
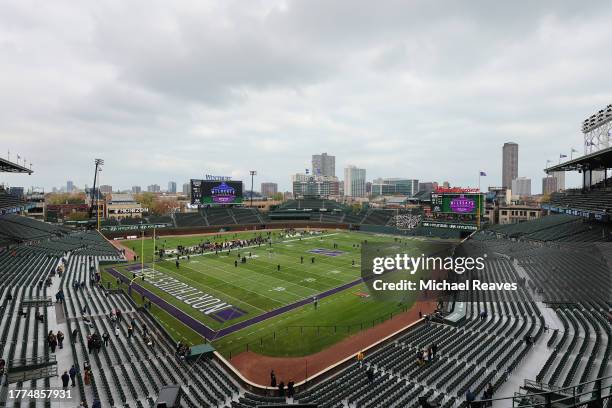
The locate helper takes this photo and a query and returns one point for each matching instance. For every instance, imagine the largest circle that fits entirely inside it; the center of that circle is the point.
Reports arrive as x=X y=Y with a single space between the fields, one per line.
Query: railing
x=557 y=396
x=33 y=361
x=3 y=389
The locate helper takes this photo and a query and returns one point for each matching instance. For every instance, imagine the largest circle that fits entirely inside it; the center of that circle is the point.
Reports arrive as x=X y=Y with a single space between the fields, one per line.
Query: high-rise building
x=269 y=189
x=172 y=187
x=69 y=186
x=549 y=184
x=395 y=186
x=323 y=165
x=509 y=164
x=560 y=176
x=354 y=182
x=153 y=188
x=427 y=186
x=106 y=189
x=320 y=186
x=521 y=186
x=186 y=188
x=136 y=189
x=446 y=184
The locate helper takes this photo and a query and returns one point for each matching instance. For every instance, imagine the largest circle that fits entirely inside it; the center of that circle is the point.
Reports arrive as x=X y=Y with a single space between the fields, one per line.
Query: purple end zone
x=211 y=334
x=326 y=252
x=228 y=314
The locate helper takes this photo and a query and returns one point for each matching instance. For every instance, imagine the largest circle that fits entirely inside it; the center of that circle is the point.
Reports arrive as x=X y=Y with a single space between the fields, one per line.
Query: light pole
x=252 y=173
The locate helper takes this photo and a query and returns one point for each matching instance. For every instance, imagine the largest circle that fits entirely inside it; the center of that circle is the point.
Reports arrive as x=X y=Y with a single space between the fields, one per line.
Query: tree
x=65 y=198
x=163 y=206
x=278 y=197
x=78 y=216
x=146 y=199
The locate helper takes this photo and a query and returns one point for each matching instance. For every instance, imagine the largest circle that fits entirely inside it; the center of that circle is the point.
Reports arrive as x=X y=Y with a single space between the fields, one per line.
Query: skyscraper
x=186 y=188
x=560 y=176
x=69 y=186
x=521 y=186
x=549 y=184
x=323 y=165
x=172 y=187
x=269 y=189
x=395 y=186
x=509 y=164
x=136 y=189
x=355 y=182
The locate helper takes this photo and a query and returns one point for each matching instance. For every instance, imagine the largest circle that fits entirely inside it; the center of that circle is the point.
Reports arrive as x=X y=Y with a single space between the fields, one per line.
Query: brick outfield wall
x=228 y=228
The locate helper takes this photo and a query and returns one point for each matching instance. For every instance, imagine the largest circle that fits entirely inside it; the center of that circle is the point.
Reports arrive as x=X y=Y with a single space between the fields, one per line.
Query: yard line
x=258 y=246
x=256 y=281
x=282 y=303
x=200 y=287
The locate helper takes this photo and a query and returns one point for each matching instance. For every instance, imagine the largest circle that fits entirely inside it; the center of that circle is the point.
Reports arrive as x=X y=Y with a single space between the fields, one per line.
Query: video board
x=457 y=203
x=216 y=192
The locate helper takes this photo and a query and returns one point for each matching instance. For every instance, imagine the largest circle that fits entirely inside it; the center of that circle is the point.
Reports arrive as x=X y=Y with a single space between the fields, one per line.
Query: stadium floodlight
x=597 y=130
x=253 y=173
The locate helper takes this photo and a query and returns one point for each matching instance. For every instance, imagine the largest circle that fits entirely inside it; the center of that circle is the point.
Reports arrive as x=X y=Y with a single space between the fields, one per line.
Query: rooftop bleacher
x=310 y=204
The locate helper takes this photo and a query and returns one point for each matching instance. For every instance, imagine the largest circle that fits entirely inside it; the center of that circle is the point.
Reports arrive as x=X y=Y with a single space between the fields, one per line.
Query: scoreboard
x=216 y=192
x=457 y=203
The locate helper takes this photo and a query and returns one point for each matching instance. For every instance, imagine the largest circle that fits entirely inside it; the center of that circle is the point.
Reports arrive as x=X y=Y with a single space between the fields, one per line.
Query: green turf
x=257 y=287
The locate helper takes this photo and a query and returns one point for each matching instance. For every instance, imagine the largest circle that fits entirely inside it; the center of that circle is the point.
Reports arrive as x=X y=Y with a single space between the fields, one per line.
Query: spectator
x=60 y=339
x=470 y=397
x=360 y=357
x=281 y=389
x=488 y=394
x=370 y=374
x=272 y=379
x=52 y=340
x=87 y=376
x=290 y=390
x=73 y=373
x=65 y=380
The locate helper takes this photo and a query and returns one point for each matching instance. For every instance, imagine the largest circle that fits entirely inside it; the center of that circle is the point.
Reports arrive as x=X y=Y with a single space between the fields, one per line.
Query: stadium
x=305 y=204
x=225 y=305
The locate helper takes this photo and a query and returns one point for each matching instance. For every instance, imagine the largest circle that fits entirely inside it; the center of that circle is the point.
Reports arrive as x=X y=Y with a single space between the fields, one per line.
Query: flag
x=562 y=155
x=307 y=171
x=482 y=173
x=574 y=150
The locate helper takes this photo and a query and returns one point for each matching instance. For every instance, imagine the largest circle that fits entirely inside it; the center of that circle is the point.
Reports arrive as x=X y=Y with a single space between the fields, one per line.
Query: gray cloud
x=416 y=89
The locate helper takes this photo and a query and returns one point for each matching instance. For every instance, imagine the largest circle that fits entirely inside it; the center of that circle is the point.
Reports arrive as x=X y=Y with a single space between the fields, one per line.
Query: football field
x=283 y=290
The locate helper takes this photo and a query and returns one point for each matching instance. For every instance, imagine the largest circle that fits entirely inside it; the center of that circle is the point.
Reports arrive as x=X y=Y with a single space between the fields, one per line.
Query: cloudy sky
x=173 y=90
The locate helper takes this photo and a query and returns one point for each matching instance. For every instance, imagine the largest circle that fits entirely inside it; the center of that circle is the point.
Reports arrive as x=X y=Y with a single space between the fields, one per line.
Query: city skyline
x=376 y=90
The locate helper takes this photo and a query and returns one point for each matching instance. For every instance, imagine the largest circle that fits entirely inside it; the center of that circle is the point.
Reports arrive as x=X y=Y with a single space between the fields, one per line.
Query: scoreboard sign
x=457 y=203
x=450 y=225
x=216 y=192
